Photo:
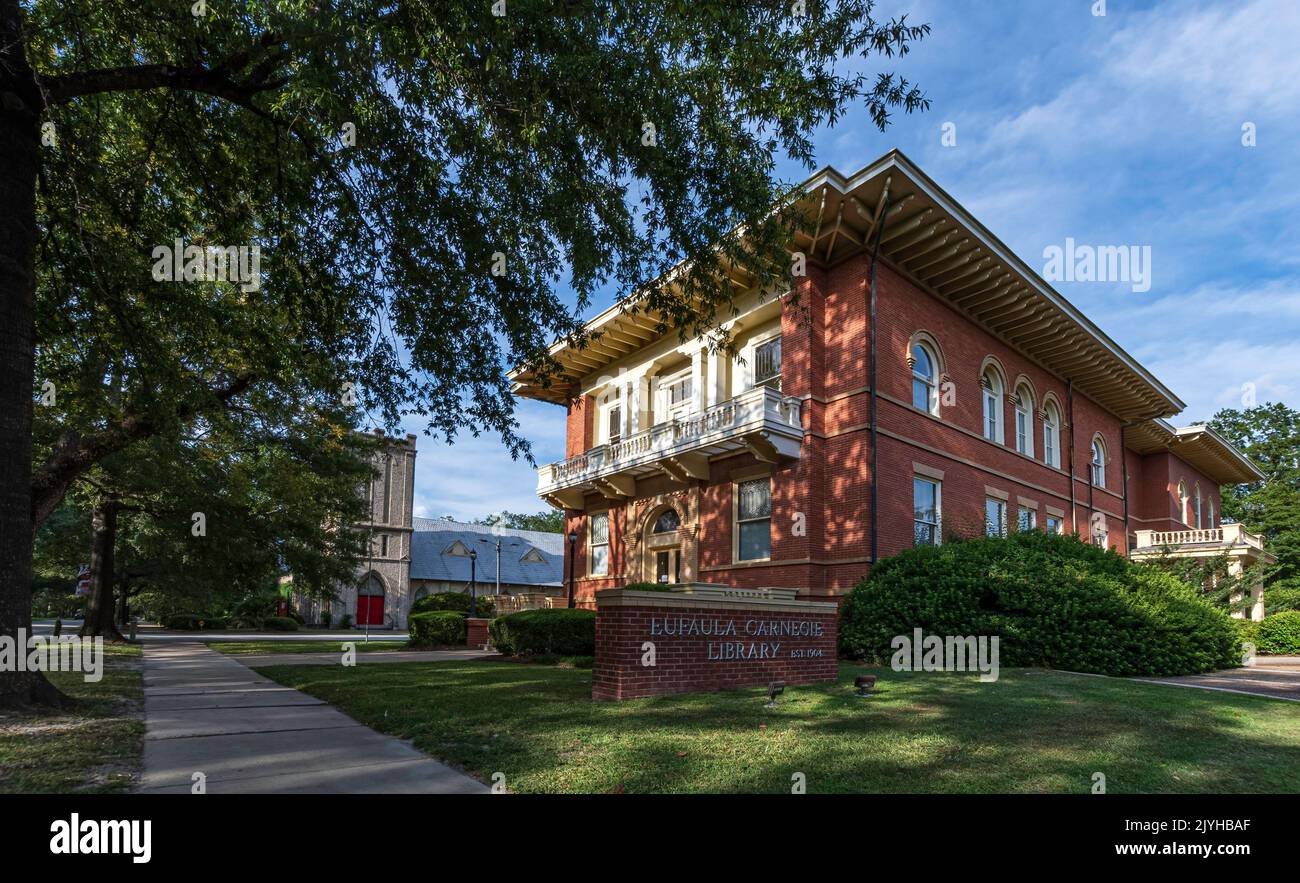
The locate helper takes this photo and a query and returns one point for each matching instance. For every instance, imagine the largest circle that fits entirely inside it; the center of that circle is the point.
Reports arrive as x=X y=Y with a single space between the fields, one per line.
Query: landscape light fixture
x=473 y=575
x=864 y=683
x=774 y=689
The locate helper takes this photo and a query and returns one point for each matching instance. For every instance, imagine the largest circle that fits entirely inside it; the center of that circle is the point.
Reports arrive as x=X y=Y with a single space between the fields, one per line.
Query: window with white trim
x=599 y=543
x=1183 y=508
x=1027 y=520
x=991 y=385
x=995 y=517
x=925 y=380
x=610 y=430
x=925 y=511
x=767 y=363
x=1210 y=525
x=1052 y=435
x=1024 y=420
x=1198 y=507
x=1098 y=463
x=754 y=520
x=1055 y=525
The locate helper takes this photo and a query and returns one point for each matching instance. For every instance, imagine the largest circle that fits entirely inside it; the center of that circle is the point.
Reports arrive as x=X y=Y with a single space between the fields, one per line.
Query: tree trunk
x=21 y=105
x=100 y=607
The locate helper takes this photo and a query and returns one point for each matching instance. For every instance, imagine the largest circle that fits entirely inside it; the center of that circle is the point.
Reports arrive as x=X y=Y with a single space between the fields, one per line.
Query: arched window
x=1024 y=420
x=1052 y=435
x=991 y=382
x=1098 y=462
x=1198 y=507
x=1210 y=525
x=667 y=522
x=1182 y=504
x=925 y=379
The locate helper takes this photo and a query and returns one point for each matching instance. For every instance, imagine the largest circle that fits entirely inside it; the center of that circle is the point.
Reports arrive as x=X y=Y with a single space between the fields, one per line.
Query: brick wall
x=692 y=663
x=825 y=349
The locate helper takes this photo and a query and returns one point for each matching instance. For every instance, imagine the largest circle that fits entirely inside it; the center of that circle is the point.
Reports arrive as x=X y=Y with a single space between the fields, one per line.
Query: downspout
x=875 y=483
x=1124 y=473
x=1069 y=411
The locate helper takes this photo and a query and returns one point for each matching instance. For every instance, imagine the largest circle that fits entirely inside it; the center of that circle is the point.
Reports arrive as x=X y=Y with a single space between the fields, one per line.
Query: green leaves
x=474 y=134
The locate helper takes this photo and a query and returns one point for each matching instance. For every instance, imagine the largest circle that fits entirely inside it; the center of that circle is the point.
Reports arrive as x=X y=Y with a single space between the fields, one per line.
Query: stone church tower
x=381 y=592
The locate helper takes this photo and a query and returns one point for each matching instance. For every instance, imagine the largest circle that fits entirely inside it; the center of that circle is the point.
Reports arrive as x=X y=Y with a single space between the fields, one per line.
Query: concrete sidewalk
x=207 y=713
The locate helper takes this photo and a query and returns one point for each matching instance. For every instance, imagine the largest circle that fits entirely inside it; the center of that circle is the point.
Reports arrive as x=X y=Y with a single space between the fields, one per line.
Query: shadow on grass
x=1031 y=731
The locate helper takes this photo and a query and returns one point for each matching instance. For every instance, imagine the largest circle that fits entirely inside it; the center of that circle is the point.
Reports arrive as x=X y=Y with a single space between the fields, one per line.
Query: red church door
x=370 y=602
x=370 y=610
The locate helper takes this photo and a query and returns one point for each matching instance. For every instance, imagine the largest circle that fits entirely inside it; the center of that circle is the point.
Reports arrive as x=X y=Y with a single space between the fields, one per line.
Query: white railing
x=1224 y=535
x=760 y=409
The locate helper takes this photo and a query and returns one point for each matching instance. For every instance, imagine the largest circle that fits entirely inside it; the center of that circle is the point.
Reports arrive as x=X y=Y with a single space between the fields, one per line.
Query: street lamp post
x=573 y=540
x=473 y=575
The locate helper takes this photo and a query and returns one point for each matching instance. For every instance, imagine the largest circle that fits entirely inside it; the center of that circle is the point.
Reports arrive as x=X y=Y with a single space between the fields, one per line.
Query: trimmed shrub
x=280 y=624
x=1054 y=601
x=458 y=601
x=559 y=632
x=192 y=622
x=435 y=627
x=345 y=621
x=1247 y=631
x=1281 y=598
x=1279 y=634
x=649 y=587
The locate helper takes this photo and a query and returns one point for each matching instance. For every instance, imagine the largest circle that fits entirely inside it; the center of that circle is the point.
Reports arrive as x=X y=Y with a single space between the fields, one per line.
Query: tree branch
x=74 y=453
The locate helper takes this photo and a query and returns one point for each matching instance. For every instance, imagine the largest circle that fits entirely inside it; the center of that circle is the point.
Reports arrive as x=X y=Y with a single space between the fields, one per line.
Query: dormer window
x=533 y=556
x=458 y=549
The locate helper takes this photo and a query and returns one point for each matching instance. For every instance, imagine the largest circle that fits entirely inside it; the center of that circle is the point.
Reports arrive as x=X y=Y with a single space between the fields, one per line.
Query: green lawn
x=1032 y=731
x=239 y=648
x=93 y=748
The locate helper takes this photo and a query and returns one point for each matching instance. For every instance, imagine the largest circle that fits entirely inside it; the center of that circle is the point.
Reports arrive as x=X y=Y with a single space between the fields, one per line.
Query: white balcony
x=1241 y=548
x=760 y=420
x=1224 y=538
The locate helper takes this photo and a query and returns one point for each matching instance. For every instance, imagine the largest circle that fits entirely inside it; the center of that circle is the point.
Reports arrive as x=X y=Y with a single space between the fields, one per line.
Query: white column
x=629 y=408
x=698 y=377
x=716 y=381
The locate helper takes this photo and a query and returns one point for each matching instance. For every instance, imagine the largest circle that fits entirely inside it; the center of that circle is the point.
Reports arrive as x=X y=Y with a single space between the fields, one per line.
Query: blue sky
x=1123 y=129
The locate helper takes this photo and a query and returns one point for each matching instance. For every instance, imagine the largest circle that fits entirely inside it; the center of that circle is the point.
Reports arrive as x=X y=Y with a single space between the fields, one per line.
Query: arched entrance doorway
x=370 y=600
x=663 y=546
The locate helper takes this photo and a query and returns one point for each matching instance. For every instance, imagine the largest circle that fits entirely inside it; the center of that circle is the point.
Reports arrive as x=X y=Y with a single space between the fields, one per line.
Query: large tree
x=1269 y=435
x=432 y=174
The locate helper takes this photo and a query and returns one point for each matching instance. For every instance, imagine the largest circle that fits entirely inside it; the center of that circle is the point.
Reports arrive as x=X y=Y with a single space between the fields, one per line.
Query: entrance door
x=370 y=609
x=370 y=602
x=668 y=566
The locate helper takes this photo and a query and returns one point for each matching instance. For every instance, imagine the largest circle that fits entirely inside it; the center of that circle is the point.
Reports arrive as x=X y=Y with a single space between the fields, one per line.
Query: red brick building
x=980 y=401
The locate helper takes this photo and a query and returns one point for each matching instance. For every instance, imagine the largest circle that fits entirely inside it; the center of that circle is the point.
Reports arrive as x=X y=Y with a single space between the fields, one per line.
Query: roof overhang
x=928 y=237
x=1198 y=446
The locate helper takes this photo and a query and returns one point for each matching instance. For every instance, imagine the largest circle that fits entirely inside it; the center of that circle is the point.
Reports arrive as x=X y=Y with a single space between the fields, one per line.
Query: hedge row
x=1053 y=601
x=436 y=627
x=562 y=632
x=1279 y=634
x=458 y=601
x=191 y=622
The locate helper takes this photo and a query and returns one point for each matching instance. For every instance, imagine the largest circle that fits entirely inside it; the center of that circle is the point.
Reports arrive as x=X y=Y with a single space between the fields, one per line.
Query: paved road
x=258 y=660
x=207 y=713
x=1276 y=676
x=152 y=633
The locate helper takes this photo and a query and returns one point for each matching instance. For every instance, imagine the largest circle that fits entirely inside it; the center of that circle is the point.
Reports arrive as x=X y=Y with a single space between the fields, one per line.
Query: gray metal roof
x=433 y=537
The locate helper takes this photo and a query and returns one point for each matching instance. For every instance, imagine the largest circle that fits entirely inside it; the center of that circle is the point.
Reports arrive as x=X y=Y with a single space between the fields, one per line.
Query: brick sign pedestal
x=476 y=633
x=704 y=637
